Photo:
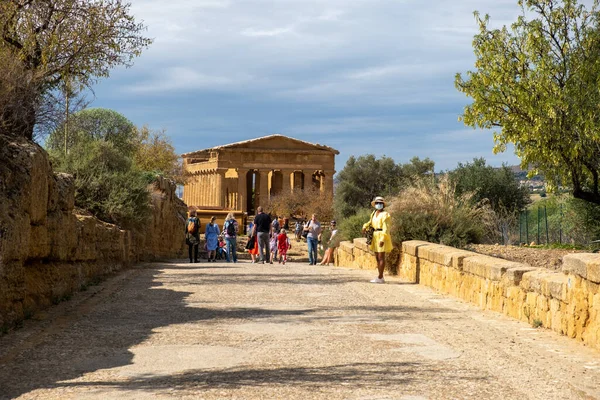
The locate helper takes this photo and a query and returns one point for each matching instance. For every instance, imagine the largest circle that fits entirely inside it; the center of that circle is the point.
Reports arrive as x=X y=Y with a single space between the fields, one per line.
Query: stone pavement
x=248 y=331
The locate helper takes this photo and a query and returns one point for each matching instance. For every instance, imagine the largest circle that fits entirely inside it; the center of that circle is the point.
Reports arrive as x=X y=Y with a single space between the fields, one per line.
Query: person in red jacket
x=283 y=244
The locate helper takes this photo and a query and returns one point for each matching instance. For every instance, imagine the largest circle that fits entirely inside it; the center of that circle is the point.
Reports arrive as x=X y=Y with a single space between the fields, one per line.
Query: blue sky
x=362 y=76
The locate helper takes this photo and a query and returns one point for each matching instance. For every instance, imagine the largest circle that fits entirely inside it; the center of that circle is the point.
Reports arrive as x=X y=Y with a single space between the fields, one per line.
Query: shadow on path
x=98 y=333
x=352 y=376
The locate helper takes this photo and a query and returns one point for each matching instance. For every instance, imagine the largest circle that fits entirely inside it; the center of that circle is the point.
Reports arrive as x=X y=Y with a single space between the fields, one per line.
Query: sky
x=361 y=76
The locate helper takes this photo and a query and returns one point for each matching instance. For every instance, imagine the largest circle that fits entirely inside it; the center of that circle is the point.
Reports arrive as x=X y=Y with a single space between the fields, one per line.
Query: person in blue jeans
x=313 y=227
x=230 y=231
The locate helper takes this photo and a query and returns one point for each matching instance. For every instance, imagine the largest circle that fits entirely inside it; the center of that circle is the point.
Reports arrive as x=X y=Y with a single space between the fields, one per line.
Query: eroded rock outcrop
x=47 y=251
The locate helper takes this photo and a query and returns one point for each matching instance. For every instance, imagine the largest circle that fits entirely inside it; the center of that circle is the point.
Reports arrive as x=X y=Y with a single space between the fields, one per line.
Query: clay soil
x=535 y=257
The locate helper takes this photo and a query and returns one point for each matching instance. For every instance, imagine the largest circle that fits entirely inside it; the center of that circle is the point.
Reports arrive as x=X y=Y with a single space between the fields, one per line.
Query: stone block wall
x=568 y=302
x=47 y=251
x=355 y=254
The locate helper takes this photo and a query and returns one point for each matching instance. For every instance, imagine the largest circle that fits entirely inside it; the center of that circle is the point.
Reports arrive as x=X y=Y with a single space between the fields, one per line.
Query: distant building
x=237 y=177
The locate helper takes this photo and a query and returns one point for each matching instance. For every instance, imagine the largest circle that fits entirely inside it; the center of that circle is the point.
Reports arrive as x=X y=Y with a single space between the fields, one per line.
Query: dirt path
x=247 y=331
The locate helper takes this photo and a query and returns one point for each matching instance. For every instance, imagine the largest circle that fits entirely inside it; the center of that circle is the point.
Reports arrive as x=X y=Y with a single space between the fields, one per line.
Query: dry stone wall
x=568 y=301
x=47 y=251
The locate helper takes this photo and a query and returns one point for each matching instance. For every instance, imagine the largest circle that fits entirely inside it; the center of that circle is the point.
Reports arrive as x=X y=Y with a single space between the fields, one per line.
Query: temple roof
x=271 y=142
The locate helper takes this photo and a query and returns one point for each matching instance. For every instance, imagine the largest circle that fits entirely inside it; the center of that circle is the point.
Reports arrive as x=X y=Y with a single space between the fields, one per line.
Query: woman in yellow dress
x=382 y=241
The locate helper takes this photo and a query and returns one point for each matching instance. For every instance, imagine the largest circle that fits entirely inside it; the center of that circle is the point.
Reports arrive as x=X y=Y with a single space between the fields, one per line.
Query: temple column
x=192 y=192
x=202 y=189
x=211 y=188
x=242 y=194
x=263 y=191
x=327 y=181
x=220 y=186
x=287 y=177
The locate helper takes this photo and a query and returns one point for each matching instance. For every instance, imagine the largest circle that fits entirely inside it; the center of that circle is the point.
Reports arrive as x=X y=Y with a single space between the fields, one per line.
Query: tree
x=155 y=152
x=365 y=177
x=496 y=185
x=96 y=124
x=537 y=83
x=57 y=40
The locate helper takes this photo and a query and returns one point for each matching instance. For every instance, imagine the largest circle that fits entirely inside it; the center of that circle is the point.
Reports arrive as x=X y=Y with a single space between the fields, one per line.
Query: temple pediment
x=272 y=142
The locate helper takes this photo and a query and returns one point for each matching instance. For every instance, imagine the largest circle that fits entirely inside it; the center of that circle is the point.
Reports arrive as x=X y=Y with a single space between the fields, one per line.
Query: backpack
x=192 y=226
x=230 y=229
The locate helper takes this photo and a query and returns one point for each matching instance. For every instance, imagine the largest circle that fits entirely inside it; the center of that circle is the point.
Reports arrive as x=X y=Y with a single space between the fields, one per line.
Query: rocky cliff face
x=47 y=251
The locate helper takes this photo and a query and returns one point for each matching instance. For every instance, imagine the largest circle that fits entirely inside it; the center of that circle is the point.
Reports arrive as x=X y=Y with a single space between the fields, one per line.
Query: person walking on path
x=262 y=228
x=381 y=241
x=230 y=230
x=212 y=239
x=283 y=245
x=192 y=236
x=313 y=227
x=331 y=245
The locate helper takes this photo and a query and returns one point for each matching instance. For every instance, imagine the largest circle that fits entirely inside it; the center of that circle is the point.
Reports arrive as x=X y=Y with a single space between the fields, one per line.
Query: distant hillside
x=521 y=174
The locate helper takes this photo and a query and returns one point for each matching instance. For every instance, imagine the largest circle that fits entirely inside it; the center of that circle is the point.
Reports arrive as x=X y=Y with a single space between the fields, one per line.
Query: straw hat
x=378 y=199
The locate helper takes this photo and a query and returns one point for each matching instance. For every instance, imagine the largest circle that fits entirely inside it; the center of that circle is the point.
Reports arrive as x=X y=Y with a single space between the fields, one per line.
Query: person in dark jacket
x=192 y=235
x=262 y=229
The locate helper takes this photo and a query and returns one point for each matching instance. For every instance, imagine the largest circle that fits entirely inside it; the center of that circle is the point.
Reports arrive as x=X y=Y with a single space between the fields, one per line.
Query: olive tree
x=536 y=84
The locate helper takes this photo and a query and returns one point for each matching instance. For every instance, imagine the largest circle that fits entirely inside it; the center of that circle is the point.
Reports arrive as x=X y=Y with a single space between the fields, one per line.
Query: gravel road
x=248 y=331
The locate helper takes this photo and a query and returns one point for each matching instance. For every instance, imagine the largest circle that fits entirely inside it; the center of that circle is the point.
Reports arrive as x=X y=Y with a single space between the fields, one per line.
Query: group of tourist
x=269 y=241
x=219 y=243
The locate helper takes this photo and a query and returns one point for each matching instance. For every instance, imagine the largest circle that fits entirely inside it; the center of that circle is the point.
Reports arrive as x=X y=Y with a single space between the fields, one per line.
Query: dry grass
x=432 y=211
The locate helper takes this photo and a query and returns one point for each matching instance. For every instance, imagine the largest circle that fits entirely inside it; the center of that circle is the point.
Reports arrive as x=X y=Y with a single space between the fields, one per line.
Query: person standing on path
x=313 y=227
x=192 y=236
x=230 y=230
x=381 y=242
x=262 y=228
x=212 y=239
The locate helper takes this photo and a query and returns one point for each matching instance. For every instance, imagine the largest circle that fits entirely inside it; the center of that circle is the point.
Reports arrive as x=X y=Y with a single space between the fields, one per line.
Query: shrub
x=106 y=184
x=351 y=227
x=433 y=212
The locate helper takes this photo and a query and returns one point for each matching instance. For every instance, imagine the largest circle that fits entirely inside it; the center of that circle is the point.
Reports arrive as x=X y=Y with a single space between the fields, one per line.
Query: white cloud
x=341 y=62
x=183 y=79
x=252 y=32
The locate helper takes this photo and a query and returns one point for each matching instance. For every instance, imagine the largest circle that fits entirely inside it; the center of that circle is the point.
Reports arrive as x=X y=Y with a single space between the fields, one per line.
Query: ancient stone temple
x=239 y=176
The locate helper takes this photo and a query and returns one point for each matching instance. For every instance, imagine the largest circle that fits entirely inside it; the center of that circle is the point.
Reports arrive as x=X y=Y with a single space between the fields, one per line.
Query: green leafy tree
x=536 y=83
x=365 y=177
x=496 y=185
x=65 y=40
x=96 y=124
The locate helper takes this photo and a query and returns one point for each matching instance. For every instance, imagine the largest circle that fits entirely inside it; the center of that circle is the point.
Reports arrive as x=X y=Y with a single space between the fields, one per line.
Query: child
x=283 y=245
x=221 y=249
x=273 y=246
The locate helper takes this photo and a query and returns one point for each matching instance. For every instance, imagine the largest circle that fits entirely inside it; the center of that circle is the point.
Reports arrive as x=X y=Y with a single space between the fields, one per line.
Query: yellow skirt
x=378 y=237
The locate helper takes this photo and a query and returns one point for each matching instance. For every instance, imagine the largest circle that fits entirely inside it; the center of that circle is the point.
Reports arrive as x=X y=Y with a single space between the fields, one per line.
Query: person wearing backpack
x=230 y=231
x=192 y=236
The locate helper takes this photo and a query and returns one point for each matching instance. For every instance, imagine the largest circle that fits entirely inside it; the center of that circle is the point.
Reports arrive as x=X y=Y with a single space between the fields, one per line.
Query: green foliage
x=95 y=124
x=537 y=82
x=105 y=182
x=68 y=40
x=570 y=222
x=365 y=177
x=351 y=227
x=497 y=185
x=435 y=213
